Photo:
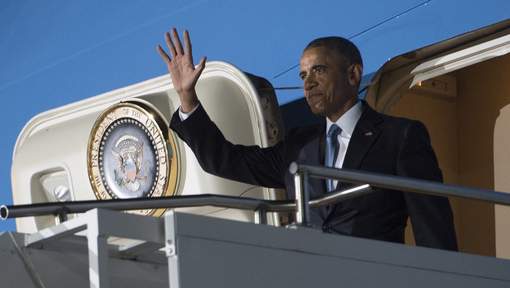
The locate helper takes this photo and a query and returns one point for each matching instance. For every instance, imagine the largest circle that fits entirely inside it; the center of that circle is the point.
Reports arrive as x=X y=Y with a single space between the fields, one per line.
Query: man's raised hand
x=180 y=66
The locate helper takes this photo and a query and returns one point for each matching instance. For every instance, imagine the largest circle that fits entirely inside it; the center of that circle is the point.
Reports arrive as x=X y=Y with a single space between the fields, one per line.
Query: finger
x=178 y=45
x=200 y=66
x=187 y=46
x=170 y=44
x=163 y=55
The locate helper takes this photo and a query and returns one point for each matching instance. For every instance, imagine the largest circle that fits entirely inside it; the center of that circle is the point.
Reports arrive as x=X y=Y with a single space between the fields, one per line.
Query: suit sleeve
x=218 y=156
x=431 y=216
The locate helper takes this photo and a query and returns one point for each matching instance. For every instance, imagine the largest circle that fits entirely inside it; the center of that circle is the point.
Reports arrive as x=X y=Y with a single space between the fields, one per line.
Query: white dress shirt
x=347 y=123
x=185 y=116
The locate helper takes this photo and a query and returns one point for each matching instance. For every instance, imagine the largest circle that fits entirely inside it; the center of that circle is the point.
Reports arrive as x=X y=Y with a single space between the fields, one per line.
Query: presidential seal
x=132 y=154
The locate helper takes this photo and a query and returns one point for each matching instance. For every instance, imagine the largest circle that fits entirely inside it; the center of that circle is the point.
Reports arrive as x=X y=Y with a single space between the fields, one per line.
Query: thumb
x=201 y=66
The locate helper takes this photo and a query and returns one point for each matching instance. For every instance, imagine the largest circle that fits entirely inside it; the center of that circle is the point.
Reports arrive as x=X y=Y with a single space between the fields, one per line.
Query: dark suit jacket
x=379 y=143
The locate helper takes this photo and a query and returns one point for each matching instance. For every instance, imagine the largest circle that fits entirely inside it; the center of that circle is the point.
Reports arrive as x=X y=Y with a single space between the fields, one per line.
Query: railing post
x=62 y=215
x=302 y=198
x=260 y=216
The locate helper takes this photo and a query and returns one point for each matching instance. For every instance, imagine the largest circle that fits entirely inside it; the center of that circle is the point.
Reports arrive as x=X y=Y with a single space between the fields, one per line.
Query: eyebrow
x=319 y=65
x=301 y=73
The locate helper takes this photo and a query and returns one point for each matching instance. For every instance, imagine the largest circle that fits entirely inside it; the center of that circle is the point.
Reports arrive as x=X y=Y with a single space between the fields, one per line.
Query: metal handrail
x=403 y=183
x=303 y=172
x=68 y=207
x=58 y=208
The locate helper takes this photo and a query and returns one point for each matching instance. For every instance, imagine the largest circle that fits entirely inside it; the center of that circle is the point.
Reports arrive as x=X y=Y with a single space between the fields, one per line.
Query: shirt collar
x=348 y=120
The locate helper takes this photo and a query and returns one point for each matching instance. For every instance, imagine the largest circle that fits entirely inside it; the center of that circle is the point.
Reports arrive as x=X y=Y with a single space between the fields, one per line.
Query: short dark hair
x=342 y=46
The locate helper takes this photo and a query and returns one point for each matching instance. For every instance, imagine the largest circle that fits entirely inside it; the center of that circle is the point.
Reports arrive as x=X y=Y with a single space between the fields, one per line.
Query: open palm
x=181 y=68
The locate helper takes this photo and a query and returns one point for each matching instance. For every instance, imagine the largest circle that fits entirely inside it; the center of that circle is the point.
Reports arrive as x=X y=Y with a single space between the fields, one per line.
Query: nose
x=309 y=82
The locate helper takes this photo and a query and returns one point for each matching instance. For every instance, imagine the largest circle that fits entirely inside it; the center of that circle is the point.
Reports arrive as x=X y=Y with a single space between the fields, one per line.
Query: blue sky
x=57 y=52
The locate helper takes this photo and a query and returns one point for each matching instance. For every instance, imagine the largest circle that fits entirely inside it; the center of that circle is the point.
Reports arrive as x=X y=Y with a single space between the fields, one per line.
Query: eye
x=319 y=69
x=302 y=75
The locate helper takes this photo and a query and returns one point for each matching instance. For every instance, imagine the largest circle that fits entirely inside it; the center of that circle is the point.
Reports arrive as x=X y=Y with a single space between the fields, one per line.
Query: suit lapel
x=364 y=136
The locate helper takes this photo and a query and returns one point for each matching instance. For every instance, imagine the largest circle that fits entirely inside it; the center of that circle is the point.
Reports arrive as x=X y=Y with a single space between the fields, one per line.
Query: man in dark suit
x=354 y=137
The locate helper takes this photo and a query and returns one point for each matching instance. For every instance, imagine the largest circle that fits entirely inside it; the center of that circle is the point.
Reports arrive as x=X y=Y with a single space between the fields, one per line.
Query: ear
x=355 y=72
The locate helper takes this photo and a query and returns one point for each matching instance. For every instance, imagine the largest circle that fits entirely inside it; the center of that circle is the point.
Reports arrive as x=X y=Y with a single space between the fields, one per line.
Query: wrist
x=189 y=101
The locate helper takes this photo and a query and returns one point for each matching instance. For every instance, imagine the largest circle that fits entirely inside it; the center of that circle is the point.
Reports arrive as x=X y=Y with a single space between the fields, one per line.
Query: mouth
x=314 y=96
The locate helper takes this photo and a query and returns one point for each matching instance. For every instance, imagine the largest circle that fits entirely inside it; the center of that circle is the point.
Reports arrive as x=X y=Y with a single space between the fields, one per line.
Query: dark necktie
x=332 y=147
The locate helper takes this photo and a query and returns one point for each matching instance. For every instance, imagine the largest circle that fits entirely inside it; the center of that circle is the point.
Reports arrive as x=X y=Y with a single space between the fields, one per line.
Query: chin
x=318 y=112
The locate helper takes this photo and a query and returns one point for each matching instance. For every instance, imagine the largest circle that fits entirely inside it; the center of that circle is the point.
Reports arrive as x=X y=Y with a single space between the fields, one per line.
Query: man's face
x=327 y=88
